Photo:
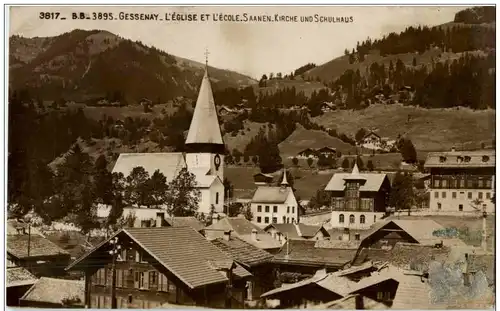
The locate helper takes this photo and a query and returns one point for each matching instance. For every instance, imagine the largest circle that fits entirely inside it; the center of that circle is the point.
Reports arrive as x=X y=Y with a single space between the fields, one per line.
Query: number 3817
x=49 y=15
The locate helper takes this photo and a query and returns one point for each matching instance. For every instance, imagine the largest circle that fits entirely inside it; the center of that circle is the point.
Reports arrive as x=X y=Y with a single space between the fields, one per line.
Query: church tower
x=204 y=144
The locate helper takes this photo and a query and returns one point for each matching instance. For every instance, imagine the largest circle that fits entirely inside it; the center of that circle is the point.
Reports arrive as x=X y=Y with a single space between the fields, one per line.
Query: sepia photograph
x=250 y=157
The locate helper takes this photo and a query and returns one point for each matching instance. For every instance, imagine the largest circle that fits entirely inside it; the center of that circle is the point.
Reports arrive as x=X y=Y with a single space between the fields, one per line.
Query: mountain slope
x=82 y=65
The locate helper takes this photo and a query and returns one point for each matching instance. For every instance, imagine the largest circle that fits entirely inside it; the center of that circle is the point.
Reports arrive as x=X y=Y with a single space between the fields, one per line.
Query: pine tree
x=157 y=188
x=136 y=191
x=360 y=163
x=102 y=180
x=408 y=152
x=345 y=164
x=401 y=195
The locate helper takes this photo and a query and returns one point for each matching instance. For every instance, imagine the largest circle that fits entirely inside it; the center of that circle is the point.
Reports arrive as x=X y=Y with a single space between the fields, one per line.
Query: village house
x=37 y=254
x=462 y=181
x=371 y=141
x=282 y=232
x=327 y=151
x=19 y=281
x=204 y=156
x=358 y=200
x=51 y=293
x=255 y=260
x=158 y=265
x=243 y=229
x=224 y=111
x=263 y=179
x=328 y=107
x=307 y=153
x=275 y=204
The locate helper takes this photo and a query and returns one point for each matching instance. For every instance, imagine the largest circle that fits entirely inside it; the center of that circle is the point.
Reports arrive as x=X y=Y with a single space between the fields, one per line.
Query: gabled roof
x=296 y=231
x=243 y=229
x=185 y=222
x=267 y=194
x=182 y=251
x=479 y=158
x=243 y=252
x=304 y=252
x=51 y=290
x=169 y=164
x=371 y=133
x=204 y=128
x=39 y=246
x=373 y=181
x=19 y=276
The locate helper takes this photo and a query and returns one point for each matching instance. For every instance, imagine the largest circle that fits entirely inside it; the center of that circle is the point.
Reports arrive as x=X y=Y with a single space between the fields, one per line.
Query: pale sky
x=249 y=48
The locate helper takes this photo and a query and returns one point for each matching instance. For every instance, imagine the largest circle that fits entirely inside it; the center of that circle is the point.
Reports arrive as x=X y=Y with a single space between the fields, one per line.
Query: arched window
x=216 y=198
x=351 y=219
x=341 y=218
x=362 y=219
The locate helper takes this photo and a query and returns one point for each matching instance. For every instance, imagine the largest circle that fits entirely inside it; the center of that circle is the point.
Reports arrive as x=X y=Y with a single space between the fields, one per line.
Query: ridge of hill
x=87 y=65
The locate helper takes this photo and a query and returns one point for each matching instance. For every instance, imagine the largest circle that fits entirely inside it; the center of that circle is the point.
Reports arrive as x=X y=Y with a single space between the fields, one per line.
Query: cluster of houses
x=362 y=258
x=316 y=153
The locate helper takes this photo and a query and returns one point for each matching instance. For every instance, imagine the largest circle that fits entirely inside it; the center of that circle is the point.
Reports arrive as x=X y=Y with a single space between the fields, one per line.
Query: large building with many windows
x=358 y=200
x=462 y=181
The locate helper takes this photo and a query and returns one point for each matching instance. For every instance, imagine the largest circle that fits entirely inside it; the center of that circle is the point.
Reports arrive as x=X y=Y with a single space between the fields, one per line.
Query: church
x=204 y=156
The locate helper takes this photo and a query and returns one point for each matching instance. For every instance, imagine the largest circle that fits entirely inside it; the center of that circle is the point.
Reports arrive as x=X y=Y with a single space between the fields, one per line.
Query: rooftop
x=185 y=222
x=268 y=194
x=243 y=252
x=50 y=290
x=18 y=276
x=373 y=181
x=296 y=231
x=461 y=159
x=17 y=246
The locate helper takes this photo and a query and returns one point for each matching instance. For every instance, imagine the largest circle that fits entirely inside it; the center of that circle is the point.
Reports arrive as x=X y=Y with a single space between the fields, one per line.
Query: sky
x=251 y=48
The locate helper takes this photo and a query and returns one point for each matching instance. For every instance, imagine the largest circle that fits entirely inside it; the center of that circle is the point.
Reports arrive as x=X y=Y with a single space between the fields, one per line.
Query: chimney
x=346 y=236
x=254 y=234
x=227 y=235
x=159 y=219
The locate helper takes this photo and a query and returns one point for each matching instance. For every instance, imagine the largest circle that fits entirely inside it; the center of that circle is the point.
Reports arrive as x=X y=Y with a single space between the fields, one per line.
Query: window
x=275 y=209
x=362 y=219
x=436 y=195
x=374 y=218
x=123 y=255
x=351 y=219
x=288 y=220
x=101 y=276
x=139 y=256
x=266 y=220
x=488 y=195
x=442 y=159
x=380 y=295
x=145 y=223
x=460 y=207
x=275 y=220
x=288 y=209
x=443 y=194
x=488 y=183
x=284 y=219
x=259 y=208
x=139 y=280
x=462 y=183
x=341 y=218
x=469 y=195
x=436 y=183
x=119 y=278
x=267 y=208
x=480 y=183
x=216 y=198
x=444 y=183
x=163 y=283
x=467 y=159
x=259 y=219
x=293 y=220
x=153 y=279
x=439 y=205
x=293 y=209
x=454 y=195
x=357 y=237
x=129 y=298
x=479 y=195
x=470 y=184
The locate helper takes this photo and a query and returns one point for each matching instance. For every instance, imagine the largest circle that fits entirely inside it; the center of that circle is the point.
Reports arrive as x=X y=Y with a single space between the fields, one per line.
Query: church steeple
x=204 y=132
x=284 y=182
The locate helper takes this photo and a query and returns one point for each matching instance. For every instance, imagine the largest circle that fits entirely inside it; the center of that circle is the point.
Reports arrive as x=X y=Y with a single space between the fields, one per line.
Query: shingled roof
x=243 y=252
x=296 y=231
x=267 y=194
x=182 y=251
x=18 y=276
x=192 y=222
x=304 y=252
x=373 y=181
x=54 y=291
x=39 y=246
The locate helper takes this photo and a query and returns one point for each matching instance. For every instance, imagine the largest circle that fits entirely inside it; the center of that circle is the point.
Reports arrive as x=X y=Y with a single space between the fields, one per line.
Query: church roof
x=204 y=128
x=169 y=164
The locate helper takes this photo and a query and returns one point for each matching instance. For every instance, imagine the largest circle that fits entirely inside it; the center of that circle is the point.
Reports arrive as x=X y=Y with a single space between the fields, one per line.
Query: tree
x=247 y=212
x=255 y=160
x=408 y=152
x=228 y=189
x=345 y=164
x=295 y=161
x=269 y=156
x=157 y=188
x=370 y=166
x=117 y=203
x=102 y=180
x=310 y=162
x=136 y=191
x=234 y=209
x=183 y=197
x=322 y=161
x=360 y=134
x=246 y=158
x=402 y=195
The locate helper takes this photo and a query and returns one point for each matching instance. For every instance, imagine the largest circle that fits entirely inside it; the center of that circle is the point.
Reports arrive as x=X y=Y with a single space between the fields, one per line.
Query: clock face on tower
x=217 y=162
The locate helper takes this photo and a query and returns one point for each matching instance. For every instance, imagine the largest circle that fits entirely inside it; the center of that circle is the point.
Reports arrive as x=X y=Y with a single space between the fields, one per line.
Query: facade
x=358 y=200
x=161 y=265
x=204 y=157
x=274 y=205
x=461 y=181
x=308 y=153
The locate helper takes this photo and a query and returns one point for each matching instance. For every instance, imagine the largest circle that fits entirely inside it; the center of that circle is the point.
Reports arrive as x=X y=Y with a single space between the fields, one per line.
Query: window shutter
x=136 y=280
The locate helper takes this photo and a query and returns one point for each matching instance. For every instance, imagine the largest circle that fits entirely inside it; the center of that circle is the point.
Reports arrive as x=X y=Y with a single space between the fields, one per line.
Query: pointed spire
x=355 y=174
x=204 y=132
x=284 y=182
x=355 y=170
